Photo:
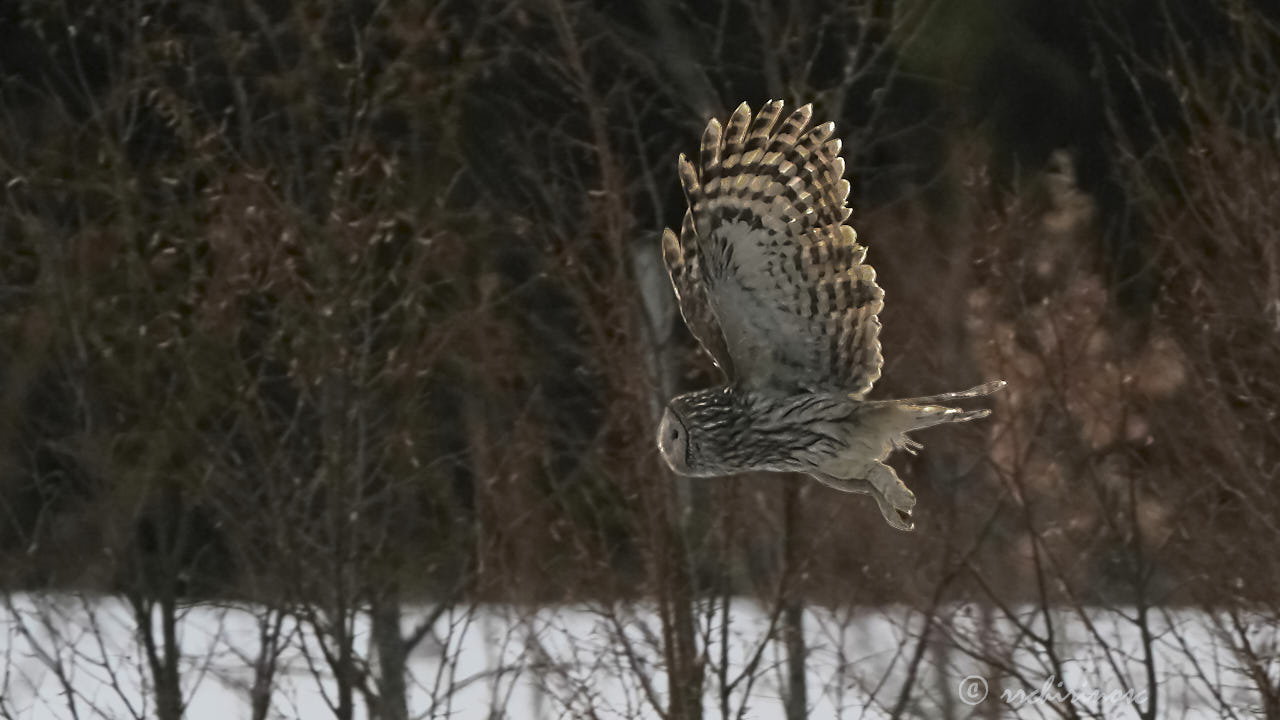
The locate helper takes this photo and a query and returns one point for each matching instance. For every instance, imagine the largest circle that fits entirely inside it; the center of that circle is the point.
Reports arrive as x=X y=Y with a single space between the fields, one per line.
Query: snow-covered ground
x=571 y=661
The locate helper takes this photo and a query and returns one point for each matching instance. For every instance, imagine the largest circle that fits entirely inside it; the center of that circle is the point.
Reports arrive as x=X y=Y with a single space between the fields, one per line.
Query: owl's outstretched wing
x=778 y=274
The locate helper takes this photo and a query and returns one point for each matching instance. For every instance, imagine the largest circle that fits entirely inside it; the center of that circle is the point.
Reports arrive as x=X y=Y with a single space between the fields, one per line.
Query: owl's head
x=673 y=442
x=697 y=429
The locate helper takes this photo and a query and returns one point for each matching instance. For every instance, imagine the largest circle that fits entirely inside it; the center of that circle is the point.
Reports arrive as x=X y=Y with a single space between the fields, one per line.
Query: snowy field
x=507 y=662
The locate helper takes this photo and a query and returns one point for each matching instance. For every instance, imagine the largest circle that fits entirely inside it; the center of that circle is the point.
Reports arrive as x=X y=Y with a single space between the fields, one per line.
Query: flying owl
x=771 y=281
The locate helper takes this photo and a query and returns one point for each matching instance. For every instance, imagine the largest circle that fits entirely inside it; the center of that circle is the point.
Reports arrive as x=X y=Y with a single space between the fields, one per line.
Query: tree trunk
x=168 y=687
x=795 y=694
x=392 y=703
x=264 y=666
x=940 y=648
x=684 y=669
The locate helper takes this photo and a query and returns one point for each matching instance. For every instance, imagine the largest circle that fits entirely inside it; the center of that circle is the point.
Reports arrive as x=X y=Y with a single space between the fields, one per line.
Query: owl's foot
x=893 y=496
x=897 y=518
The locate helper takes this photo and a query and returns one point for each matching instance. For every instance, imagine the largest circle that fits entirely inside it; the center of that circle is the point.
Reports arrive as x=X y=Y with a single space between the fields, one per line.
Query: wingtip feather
x=736 y=131
x=671 y=249
x=712 y=144
x=688 y=177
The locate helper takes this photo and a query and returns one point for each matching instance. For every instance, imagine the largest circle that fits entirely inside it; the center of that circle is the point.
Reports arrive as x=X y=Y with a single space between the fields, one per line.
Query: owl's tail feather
x=923 y=416
x=979 y=391
x=918 y=413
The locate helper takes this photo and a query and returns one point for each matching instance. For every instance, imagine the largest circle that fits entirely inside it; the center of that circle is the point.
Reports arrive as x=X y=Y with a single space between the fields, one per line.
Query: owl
x=771 y=281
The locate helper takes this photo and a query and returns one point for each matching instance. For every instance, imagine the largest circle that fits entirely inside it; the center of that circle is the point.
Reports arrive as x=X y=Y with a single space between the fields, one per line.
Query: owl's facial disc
x=673 y=442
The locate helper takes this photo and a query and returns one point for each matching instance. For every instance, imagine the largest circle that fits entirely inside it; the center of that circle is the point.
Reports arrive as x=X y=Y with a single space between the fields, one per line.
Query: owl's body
x=772 y=283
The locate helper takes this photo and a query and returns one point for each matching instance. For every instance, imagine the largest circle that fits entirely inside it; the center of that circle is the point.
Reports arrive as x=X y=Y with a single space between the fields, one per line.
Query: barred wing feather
x=770 y=278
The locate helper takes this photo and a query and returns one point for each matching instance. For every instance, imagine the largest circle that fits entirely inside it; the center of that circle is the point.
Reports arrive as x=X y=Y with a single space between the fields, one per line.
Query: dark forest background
x=338 y=308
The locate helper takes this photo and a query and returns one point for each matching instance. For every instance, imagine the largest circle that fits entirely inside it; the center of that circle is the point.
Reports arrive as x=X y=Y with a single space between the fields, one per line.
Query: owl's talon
x=894 y=497
x=898 y=518
x=906 y=444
